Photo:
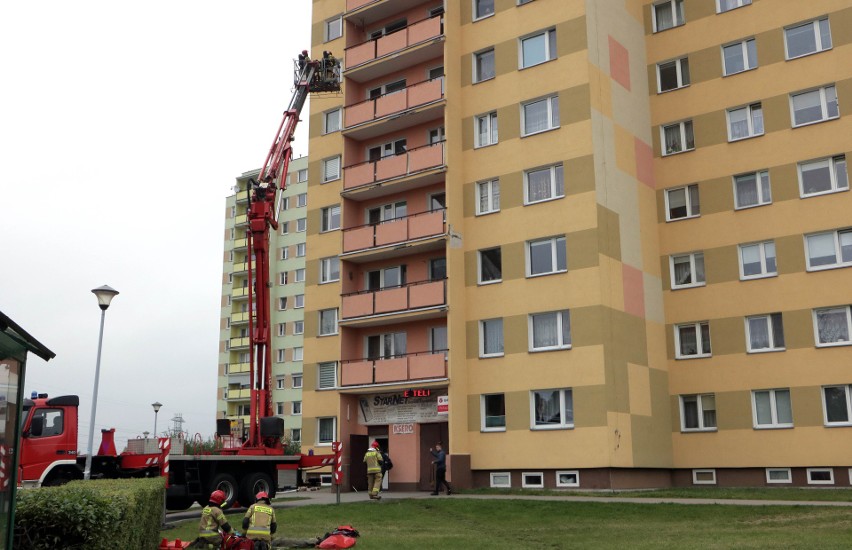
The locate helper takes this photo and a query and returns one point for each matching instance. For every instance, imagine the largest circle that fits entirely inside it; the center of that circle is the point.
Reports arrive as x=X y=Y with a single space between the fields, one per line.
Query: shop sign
x=443 y=404
x=403 y=429
x=396 y=408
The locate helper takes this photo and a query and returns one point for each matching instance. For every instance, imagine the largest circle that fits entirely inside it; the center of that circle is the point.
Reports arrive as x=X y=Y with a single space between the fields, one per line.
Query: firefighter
x=259 y=522
x=373 y=458
x=212 y=521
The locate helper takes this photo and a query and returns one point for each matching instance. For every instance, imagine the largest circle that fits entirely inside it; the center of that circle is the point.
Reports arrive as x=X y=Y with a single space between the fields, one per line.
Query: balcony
x=428 y=365
x=416 y=168
x=241 y=318
x=421 y=102
x=237 y=394
x=240 y=243
x=239 y=343
x=240 y=293
x=399 y=236
x=240 y=220
x=422 y=297
x=415 y=44
x=238 y=368
x=242 y=267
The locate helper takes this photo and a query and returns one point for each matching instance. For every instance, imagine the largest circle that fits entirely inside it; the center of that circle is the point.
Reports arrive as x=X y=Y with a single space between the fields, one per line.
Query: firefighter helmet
x=217 y=497
x=261 y=495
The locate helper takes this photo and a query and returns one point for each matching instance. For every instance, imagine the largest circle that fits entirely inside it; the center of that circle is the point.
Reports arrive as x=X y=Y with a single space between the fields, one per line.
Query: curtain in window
x=491 y=264
x=699 y=268
x=807 y=107
x=840 y=175
x=733 y=58
x=821 y=249
x=495 y=195
x=538 y=185
x=690 y=412
x=758 y=331
x=747 y=194
x=705 y=338
x=535 y=116
x=554 y=112
x=835 y=404
x=708 y=409
x=566 y=327
x=492 y=333
x=765 y=187
x=326 y=430
x=328 y=321
x=483 y=132
x=677 y=203
x=832 y=325
x=674 y=143
x=845 y=238
x=399 y=344
x=568 y=408
x=688 y=340
x=762 y=408
x=757 y=119
x=483 y=197
x=739 y=123
x=547 y=408
x=665 y=16
x=751 y=260
x=694 y=203
x=682 y=270
x=545 y=330
x=782 y=407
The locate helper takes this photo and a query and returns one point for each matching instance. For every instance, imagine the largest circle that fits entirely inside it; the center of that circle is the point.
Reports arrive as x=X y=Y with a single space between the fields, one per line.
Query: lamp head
x=105 y=295
x=156 y=405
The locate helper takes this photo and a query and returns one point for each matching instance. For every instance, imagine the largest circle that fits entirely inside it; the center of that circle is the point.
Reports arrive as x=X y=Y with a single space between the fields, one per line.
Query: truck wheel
x=228 y=485
x=254 y=483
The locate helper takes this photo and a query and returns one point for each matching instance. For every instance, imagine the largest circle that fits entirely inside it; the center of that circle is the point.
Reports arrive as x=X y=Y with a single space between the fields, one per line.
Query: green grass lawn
x=756 y=493
x=495 y=524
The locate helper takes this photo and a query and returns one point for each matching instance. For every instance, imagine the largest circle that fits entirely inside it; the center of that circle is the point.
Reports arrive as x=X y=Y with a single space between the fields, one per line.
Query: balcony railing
x=242 y=342
x=242 y=219
x=240 y=243
x=240 y=292
x=241 y=317
x=399 y=368
x=397 y=299
x=395 y=231
x=243 y=196
x=238 y=394
x=411 y=35
x=242 y=267
x=375 y=171
x=384 y=105
x=238 y=368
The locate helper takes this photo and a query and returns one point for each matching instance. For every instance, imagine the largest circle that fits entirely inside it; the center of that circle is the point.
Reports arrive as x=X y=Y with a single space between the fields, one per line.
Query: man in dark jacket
x=440 y=463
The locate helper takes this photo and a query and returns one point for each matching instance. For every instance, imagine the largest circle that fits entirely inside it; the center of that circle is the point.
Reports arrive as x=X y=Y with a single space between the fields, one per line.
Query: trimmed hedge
x=96 y=515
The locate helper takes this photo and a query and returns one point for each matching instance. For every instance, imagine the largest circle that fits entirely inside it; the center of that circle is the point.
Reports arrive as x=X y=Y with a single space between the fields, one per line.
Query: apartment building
x=582 y=244
x=287 y=253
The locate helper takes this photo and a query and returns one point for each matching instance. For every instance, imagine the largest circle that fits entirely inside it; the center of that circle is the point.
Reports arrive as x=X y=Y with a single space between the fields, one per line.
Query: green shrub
x=99 y=514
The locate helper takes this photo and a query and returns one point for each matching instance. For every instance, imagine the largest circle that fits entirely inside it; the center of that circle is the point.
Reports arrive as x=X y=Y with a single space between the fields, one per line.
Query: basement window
x=704 y=477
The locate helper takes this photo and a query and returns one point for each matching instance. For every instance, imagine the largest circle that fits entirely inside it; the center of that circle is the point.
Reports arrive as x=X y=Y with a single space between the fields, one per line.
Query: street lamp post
x=105 y=294
x=156 y=405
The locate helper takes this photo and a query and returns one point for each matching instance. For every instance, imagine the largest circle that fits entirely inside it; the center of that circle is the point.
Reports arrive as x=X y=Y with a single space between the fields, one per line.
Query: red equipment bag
x=234 y=542
x=342 y=537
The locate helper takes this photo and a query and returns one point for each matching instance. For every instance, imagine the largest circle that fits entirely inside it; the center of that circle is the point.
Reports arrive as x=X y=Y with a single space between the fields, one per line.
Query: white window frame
x=740 y=4
x=327 y=218
x=699 y=401
x=479 y=280
x=495 y=485
x=482 y=424
x=769 y=479
x=333 y=430
x=296 y=435
x=554 y=172
x=563 y=424
x=750 y=118
x=492 y=133
x=692 y=270
x=836 y=186
x=698 y=340
x=282 y=303
x=326 y=165
x=820 y=47
x=555 y=242
x=758 y=178
x=674 y=5
x=280 y=355
x=560 y=473
x=823 y=104
x=330 y=365
x=743 y=44
x=298 y=327
x=296 y=408
x=812 y=481
x=815 y=314
x=678 y=63
x=773 y=404
x=699 y=471
x=325 y=270
x=325 y=120
x=299 y=301
x=553 y=114
x=527 y=485
x=682 y=126
x=282 y=329
x=301 y=225
x=482 y=353
x=770 y=322
x=301 y=250
x=285 y=227
x=490 y=186
x=298 y=353
x=299 y=275
x=329 y=30
x=561 y=315
x=297 y=380
x=284 y=203
x=302 y=175
x=279 y=409
x=690 y=209
x=280 y=383
x=301 y=200
x=838 y=251
x=473 y=10
x=763 y=265
x=320 y=319
x=476 y=62
x=847 y=388
x=285 y=252
x=548 y=55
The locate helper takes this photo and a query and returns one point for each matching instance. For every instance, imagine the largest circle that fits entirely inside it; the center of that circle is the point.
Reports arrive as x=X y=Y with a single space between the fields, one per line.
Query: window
x=546 y=256
x=704 y=477
x=483 y=65
x=299 y=276
x=279 y=383
x=668 y=14
x=493 y=412
x=739 y=57
x=830 y=249
x=682 y=203
x=677 y=138
x=491 y=338
x=300 y=250
x=687 y=270
x=331 y=169
x=672 y=75
x=814 y=106
x=297 y=408
x=282 y=303
x=539 y=115
x=537 y=48
x=329 y=270
x=301 y=227
x=501 y=480
x=296 y=435
x=836 y=404
x=327 y=375
x=752 y=189
x=544 y=184
x=549 y=331
x=532 y=480
x=551 y=409
x=279 y=408
x=331 y=218
x=386 y=346
x=832 y=326
x=807 y=38
x=285 y=253
x=333 y=29
x=485 y=129
x=728 y=5
x=764 y=333
x=482 y=8
x=327 y=322
x=282 y=329
x=772 y=409
x=745 y=122
x=488 y=197
x=297 y=354
x=284 y=203
x=301 y=200
x=279 y=355
x=698 y=412
x=282 y=278
x=437 y=269
x=821 y=176
x=490 y=266
x=297 y=381
x=692 y=340
x=331 y=121
x=757 y=260
x=569 y=478
x=285 y=227
x=302 y=175
x=326 y=430
x=820 y=476
x=779 y=475
x=298 y=327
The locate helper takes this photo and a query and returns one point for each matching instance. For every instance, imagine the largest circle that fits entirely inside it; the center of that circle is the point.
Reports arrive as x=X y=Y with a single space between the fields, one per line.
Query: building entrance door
x=430 y=434
x=357 y=468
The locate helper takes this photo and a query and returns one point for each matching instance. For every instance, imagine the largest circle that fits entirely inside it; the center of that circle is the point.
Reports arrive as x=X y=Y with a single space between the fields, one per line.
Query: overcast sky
x=122 y=127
